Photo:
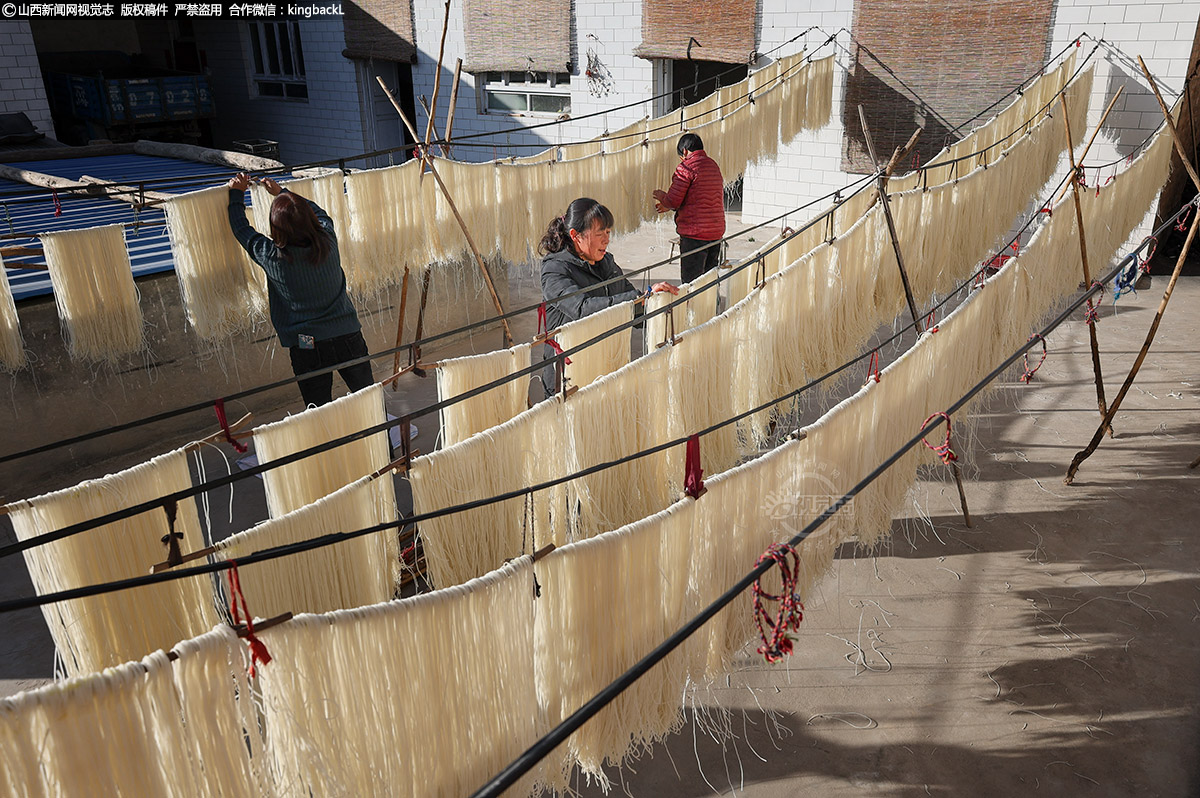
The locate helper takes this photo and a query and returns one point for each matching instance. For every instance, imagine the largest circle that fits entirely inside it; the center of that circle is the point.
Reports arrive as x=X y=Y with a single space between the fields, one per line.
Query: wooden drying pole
x=881 y=181
x=400 y=328
x=453 y=105
x=1091 y=139
x=487 y=276
x=1162 y=306
x=912 y=306
x=1087 y=271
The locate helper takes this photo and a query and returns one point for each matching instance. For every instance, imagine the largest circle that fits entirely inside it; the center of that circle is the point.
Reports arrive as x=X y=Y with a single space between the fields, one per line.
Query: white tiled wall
x=328 y=125
x=611 y=29
x=21 y=87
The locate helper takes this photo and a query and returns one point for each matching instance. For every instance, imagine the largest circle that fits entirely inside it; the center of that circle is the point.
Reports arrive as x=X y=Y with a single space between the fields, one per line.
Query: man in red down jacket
x=697 y=195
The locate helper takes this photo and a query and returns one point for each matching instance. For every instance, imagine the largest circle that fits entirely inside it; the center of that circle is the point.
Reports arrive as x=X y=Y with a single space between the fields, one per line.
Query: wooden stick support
x=1087 y=271
x=891 y=224
x=219 y=434
x=242 y=630
x=1092 y=138
x=1086 y=452
x=400 y=328
x=437 y=77
x=487 y=276
x=453 y=105
x=542 y=552
x=414 y=353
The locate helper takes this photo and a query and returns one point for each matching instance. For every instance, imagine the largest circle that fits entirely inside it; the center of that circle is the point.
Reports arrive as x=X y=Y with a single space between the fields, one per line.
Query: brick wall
x=1162 y=33
x=21 y=87
x=328 y=125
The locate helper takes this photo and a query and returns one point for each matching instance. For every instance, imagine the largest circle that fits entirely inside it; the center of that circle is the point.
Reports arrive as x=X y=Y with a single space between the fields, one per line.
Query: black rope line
x=468 y=328
x=452 y=142
x=83 y=526
x=334 y=538
x=562 y=731
x=861 y=183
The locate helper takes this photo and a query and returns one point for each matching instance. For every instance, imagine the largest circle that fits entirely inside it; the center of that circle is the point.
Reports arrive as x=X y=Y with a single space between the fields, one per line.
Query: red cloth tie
x=219 y=406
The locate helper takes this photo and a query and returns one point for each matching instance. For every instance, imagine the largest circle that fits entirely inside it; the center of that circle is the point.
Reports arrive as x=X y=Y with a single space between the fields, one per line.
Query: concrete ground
x=1049 y=649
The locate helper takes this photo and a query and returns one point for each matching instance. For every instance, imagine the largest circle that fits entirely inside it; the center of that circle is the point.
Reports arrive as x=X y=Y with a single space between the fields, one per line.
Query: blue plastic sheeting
x=148 y=245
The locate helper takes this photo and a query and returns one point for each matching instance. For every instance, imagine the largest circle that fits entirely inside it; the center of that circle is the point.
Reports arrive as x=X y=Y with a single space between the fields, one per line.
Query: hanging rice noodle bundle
x=223 y=290
x=767 y=108
x=332 y=735
x=516 y=229
x=355 y=573
x=607 y=424
x=602 y=357
x=12 y=347
x=792 y=115
x=526 y=450
x=620 y=588
x=387 y=229
x=446 y=240
x=703 y=359
x=661 y=328
x=818 y=102
x=625 y=191
x=490 y=408
x=703 y=295
x=292 y=486
x=473 y=185
x=94 y=292
x=101 y=631
x=149 y=727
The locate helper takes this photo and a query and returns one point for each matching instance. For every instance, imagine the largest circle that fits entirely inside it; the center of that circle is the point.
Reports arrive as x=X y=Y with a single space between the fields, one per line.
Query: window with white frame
x=278 y=59
x=526 y=93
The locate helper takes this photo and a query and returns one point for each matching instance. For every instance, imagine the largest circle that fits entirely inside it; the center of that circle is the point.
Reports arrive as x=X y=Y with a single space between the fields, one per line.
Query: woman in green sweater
x=306 y=288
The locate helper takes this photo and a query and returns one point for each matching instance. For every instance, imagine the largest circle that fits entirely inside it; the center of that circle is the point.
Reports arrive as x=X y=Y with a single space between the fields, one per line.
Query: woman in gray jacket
x=576 y=257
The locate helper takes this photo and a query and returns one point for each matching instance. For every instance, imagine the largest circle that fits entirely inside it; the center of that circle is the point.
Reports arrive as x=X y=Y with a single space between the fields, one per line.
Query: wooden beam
x=1086 y=452
x=487 y=276
x=1087 y=271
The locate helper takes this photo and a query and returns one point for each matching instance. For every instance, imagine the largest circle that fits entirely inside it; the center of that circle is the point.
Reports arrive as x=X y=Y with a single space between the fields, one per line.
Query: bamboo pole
x=400 y=327
x=425 y=105
x=487 y=276
x=1087 y=271
x=881 y=182
x=453 y=105
x=437 y=76
x=1086 y=452
x=1096 y=132
x=887 y=212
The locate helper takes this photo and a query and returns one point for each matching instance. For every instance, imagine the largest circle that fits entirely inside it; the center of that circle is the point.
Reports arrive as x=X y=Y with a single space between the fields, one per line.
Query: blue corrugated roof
x=149 y=248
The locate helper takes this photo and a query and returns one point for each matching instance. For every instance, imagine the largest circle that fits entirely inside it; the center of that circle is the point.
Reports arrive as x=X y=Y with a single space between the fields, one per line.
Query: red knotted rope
x=219 y=406
x=776 y=643
x=930 y=327
x=693 y=474
x=258 y=649
x=1182 y=225
x=1144 y=263
x=543 y=330
x=1029 y=372
x=942 y=450
x=1092 y=314
x=873 y=368
x=57 y=204
x=541 y=319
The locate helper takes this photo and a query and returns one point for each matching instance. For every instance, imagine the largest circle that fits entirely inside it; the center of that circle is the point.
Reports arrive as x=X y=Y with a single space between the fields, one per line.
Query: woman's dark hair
x=294 y=222
x=689 y=142
x=580 y=215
